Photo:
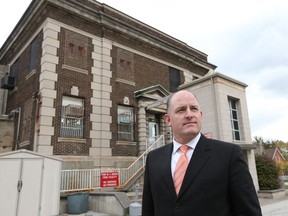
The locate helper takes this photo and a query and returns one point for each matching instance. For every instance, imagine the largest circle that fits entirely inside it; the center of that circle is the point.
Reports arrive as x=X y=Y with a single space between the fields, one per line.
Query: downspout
x=17 y=110
x=36 y=97
x=18 y=126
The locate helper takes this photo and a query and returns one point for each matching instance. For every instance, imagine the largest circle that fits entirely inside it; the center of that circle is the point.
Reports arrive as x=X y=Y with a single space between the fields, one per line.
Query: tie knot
x=184 y=149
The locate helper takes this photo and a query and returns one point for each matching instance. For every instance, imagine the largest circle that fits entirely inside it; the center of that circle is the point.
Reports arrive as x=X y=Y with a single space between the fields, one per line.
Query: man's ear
x=167 y=119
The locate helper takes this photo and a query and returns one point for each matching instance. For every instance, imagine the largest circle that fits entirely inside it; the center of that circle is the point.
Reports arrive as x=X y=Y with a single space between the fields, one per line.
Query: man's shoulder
x=220 y=144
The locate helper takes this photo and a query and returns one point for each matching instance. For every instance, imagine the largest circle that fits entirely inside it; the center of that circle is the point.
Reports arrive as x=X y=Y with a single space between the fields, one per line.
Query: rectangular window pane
x=235 y=124
x=234 y=114
x=15 y=71
x=237 y=135
x=33 y=51
x=174 y=77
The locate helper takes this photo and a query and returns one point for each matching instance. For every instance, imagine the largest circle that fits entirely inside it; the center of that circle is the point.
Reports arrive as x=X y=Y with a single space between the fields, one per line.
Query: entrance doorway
x=153 y=132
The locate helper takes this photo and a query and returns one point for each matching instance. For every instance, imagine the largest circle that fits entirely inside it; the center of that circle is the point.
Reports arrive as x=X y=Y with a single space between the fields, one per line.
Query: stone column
x=142 y=128
x=101 y=119
x=252 y=167
x=48 y=78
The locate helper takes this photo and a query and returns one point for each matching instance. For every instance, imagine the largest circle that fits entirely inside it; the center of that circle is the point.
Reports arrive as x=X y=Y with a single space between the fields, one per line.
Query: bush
x=268 y=173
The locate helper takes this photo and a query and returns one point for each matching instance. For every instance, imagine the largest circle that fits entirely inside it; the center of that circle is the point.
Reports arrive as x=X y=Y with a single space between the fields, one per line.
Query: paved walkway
x=270 y=207
x=278 y=207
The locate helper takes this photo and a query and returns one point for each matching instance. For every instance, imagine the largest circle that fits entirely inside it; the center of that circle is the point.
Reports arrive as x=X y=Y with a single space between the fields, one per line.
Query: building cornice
x=110 y=18
x=213 y=75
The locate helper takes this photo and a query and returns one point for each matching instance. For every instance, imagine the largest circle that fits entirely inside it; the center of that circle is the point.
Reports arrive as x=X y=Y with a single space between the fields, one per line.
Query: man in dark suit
x=217 y=181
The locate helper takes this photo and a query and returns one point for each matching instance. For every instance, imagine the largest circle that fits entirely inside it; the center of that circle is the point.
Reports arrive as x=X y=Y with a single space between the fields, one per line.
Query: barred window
x=125 y=123
x=72 y=117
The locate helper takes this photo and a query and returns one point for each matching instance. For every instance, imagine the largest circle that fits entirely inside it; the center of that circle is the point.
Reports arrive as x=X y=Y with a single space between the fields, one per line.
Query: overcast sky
x=246 y=40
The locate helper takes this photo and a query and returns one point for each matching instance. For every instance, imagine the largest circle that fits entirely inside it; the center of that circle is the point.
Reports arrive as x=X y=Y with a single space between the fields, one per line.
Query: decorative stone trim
x=71 y=140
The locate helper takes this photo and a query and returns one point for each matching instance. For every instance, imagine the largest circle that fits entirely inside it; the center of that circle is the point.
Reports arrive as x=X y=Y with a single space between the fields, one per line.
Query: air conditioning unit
x=74 y=110
x=7 y=82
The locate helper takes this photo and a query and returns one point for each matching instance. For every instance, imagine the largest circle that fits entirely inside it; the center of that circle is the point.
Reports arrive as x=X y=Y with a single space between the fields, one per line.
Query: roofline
x=29 y=152
x=12 y=37
x=107 y=20
x=277 y=149
x=210 y=76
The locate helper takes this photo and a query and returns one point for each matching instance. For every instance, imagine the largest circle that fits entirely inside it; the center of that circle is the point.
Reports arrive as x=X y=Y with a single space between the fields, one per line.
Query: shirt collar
x=192 y=144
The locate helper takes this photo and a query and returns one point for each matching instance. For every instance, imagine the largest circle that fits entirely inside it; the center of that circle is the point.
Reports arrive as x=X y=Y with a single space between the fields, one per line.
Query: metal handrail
x=89 y=179
x=139 y=163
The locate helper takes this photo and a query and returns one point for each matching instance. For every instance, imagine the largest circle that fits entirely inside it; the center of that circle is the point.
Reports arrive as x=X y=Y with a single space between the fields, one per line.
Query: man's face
x=184 y=116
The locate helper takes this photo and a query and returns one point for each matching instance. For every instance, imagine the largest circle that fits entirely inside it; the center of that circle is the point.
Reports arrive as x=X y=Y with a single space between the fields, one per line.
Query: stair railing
x=128 y=173
x=90 y=179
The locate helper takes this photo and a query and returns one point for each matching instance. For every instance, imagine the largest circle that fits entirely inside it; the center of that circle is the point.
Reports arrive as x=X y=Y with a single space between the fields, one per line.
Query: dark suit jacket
x=217 y=182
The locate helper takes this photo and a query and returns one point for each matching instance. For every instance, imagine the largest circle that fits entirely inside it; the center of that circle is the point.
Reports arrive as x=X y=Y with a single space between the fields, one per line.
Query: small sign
x=109 y=179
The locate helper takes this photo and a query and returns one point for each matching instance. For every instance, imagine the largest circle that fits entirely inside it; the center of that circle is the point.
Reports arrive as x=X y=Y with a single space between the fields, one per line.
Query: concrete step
x=131 y=195
x=89 y=213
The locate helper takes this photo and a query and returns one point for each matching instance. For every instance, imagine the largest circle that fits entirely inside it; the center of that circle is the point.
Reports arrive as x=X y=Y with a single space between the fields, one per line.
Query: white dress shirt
x=177 y=152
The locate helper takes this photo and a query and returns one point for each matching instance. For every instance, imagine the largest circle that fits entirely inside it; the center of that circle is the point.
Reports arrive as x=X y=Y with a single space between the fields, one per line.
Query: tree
x=284 y=168
x=259 y=142
x=268 y=173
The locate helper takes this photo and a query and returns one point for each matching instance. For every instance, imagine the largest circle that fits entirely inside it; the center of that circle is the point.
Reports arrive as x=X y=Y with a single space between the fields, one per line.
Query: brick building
x=275 y=155
x=84 y=79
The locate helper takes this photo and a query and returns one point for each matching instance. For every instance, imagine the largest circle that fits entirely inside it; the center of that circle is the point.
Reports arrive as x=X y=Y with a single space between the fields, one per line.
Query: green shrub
x=268 y=173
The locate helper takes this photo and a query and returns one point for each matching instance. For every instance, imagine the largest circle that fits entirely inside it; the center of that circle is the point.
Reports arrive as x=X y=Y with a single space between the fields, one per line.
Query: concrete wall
x=114 y=203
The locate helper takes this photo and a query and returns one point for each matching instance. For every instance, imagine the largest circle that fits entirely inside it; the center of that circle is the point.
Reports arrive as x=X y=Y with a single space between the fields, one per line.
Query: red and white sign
x=109 y=179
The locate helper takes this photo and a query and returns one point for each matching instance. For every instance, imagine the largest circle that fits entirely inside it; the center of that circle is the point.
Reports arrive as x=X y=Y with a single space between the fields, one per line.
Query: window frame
x=72 y=117
x=125 y=126
x=33 y=55
x=174 y=79
x=234 y=118
x=15 y=70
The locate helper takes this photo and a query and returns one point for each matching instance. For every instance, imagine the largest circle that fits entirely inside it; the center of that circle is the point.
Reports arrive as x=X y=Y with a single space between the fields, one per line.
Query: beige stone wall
x=225 y=89
x=207 y=99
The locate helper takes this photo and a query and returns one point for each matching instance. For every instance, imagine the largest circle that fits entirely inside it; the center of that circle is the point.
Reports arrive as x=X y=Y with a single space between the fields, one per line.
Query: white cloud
x=268 y=114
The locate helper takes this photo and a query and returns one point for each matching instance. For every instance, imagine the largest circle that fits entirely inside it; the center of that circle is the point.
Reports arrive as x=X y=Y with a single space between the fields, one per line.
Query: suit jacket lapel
x=200 y=156
x=166 y=169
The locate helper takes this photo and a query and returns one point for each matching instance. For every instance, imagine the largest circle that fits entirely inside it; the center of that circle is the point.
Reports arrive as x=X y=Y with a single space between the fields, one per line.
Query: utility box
x=29 y=184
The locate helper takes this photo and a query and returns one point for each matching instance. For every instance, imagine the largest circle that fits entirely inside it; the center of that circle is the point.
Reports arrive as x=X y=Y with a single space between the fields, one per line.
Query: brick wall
x=130 y=70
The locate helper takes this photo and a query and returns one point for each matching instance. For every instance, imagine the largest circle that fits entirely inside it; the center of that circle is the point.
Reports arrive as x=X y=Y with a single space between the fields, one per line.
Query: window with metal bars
x=72 y=117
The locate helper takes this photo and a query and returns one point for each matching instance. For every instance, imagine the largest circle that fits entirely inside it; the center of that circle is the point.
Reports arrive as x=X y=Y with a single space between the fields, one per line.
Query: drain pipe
x=17 y=110
x=18 y=126
x=36 y=97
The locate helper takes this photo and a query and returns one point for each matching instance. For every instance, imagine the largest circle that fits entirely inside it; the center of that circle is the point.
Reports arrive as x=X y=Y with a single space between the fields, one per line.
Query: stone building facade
x=85 y=79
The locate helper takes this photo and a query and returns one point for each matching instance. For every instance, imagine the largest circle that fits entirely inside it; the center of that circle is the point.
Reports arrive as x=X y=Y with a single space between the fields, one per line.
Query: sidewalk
x=275 y=207
x=264 y=202
x=270 y=207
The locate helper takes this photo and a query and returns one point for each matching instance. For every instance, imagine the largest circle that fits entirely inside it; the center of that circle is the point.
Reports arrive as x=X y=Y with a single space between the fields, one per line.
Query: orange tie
x=180 y=169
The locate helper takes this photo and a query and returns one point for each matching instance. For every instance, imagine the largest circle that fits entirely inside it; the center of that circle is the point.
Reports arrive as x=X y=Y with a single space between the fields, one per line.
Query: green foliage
x=267 y=144
x=284 y=168
x=268 y=173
